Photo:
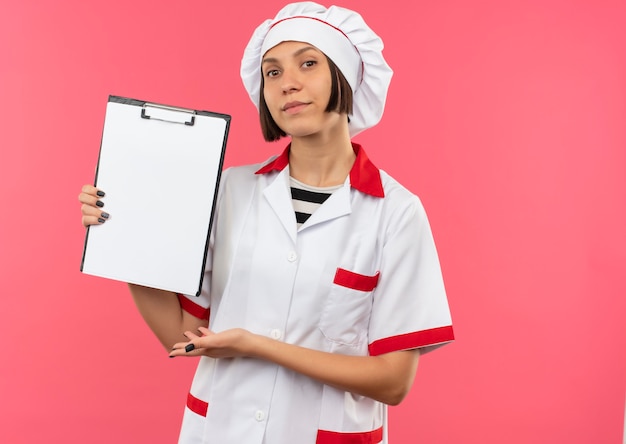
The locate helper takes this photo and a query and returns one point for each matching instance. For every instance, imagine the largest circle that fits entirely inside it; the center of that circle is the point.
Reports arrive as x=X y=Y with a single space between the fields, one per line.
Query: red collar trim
x=364 y=176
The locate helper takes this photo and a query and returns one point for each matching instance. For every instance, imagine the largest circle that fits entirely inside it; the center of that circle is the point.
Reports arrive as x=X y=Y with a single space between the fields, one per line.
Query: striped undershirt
x=306 y=198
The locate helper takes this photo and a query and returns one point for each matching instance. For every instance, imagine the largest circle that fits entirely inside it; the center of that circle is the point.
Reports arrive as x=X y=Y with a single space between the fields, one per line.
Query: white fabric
x=324 y=37
x=274 y=280
x=369 y=91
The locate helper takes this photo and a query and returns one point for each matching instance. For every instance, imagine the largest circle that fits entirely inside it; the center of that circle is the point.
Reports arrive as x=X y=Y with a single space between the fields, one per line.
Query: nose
x=290 y=81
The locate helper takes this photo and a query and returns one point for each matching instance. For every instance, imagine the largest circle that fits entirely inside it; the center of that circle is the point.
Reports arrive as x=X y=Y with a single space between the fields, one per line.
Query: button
x=259 y=415
x=276 y=333
x=292 y=256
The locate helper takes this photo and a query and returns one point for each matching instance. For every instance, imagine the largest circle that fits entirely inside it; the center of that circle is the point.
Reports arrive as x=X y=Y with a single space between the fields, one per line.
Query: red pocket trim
x=326 y=437
x=198 y=406
x=355 y=281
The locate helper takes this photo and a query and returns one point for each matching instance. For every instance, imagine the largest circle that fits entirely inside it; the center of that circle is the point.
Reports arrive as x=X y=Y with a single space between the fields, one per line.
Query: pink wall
x=509 y=122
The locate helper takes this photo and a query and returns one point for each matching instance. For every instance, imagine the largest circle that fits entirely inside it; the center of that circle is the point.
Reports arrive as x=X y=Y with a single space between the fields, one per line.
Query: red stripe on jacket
x=192 y=308
x=196 y=405
x=326 y=437
x=410 y=341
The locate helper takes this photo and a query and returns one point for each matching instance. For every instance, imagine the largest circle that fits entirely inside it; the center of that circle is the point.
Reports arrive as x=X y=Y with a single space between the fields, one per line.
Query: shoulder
x=398 y=197
x=243 y=174
x=401 y=209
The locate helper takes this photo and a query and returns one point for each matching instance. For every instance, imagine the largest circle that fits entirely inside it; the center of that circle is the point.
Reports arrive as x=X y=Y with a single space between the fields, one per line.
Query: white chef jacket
x=360 y=277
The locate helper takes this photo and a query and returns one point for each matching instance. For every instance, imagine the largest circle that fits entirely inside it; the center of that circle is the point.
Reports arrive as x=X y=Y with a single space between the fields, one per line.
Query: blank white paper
x=160 y=179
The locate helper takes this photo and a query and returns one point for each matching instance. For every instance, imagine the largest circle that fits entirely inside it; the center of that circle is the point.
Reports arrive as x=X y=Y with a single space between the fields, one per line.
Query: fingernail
x=172 y=356
x=100 y=193
x=189 y=347
x=100 y=203
x=100 y=220
x=104 y=215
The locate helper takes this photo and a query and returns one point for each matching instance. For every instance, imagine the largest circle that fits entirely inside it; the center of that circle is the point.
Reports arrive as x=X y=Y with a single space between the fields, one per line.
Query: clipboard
x=160 y=167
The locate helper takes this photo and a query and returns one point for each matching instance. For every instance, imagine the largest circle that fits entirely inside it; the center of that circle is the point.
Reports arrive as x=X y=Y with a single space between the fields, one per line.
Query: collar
x=364 y=175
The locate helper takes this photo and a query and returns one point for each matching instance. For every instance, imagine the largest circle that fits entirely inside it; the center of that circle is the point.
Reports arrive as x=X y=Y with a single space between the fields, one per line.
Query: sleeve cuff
x=192 y=308
x=425 y=339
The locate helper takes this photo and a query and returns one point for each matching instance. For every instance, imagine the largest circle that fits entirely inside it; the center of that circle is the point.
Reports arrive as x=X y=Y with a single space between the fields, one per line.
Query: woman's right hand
x=91 y=207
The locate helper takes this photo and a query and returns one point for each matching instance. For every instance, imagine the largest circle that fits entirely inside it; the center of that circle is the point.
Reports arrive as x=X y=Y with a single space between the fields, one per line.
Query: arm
x=386 y=378
x=163 y=314
x=160 y=309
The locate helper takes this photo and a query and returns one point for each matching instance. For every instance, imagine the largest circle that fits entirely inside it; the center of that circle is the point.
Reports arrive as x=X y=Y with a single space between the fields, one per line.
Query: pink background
x=507 y=118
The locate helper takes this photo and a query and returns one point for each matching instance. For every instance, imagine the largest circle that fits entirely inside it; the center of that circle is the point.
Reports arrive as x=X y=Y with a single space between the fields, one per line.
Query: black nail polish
x=100 y=193
x=104 y=215
x=100 y=220
x=100 y=203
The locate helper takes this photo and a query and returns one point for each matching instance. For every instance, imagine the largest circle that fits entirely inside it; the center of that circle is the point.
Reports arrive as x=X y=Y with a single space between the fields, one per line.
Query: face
x=297 y=87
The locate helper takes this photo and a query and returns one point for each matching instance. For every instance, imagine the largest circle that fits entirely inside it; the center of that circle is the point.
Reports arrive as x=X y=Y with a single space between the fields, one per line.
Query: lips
x=294 y=107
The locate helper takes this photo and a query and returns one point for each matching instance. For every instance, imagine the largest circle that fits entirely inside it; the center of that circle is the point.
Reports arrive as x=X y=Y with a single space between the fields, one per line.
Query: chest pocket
x=346 y=314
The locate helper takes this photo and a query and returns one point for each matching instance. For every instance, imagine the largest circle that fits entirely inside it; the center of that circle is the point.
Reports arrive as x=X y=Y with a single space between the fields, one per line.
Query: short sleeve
x=410 y=307
x=198 y=306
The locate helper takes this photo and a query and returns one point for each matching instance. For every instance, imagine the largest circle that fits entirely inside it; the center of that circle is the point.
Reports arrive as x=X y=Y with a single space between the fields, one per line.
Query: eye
x=272 y=73
x=309 y=63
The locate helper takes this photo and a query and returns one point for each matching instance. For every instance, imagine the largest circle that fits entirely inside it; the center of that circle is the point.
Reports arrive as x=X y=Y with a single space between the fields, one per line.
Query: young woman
x=323 y=284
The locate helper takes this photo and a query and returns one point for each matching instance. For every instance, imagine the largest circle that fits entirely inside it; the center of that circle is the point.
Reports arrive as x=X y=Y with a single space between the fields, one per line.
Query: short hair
x=340 y=101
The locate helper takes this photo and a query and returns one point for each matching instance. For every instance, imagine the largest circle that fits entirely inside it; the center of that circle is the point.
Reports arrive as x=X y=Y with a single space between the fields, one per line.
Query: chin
x=309 y=128
x=302 y=132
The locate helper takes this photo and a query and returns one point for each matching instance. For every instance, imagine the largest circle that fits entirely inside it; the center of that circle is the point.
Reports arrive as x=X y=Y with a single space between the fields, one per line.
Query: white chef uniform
x=360 y=277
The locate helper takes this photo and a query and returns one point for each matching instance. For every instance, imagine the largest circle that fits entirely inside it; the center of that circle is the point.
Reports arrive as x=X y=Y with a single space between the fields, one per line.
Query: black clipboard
x=160 y=167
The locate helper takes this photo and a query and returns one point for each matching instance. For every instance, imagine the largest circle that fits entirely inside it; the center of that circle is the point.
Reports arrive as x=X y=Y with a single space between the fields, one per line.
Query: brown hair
x=340 y=101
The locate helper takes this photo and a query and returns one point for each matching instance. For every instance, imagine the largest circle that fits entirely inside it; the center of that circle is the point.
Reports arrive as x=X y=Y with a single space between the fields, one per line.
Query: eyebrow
x=295 y=54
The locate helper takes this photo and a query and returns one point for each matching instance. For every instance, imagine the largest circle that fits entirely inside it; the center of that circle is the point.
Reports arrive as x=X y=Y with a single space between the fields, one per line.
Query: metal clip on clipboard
x=168 y=113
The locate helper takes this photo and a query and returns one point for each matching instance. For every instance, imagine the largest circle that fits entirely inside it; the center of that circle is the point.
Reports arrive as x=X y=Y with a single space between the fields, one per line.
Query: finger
x=92 y=220
x=91 y=208
x=192 y=354
x=90 y=189
x=93 y=215
x=205 y=331
x=88 y=210
x=190 y=335
x=90 y=199
x=180 y=346
x=90 y=195
x=185 y=349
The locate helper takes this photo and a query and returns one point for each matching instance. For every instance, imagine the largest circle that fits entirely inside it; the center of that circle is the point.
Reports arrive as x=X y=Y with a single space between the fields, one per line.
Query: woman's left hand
x=385 y=378
x=227 y=344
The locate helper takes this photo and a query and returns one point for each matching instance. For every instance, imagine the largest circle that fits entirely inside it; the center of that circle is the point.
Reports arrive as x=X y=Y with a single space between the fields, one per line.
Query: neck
x=323 y=159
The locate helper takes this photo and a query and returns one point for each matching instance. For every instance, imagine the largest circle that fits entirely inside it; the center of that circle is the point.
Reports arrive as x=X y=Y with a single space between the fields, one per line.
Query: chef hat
x=344 y=37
